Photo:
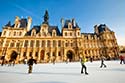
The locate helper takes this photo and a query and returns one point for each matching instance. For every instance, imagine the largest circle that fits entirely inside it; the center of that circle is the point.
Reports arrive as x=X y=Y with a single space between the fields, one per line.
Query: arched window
x=69 y=25
x=12 y=44
x=33 y=32
x=4 y=33
x=78 y=33
x=20 y=33
x=70 y=33
x=14 y=33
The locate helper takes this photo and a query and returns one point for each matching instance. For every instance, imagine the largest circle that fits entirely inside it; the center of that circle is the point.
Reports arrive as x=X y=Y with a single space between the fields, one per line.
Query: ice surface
x=64 y=73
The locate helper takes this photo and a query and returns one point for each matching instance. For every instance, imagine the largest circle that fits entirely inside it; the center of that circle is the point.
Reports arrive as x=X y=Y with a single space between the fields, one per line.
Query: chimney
x=62 y=22
x=29 y=23
x=17 y=22
x=73 y=22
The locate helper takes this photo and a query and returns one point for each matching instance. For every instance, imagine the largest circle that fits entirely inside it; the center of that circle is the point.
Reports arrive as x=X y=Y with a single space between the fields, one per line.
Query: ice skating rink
x=64 y=73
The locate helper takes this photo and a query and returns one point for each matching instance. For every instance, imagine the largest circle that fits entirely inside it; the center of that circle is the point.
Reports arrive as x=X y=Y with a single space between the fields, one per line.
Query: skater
x=83 y=60
x=102 y=62
x=122 y=59
x=30 y=64
x=3 y=60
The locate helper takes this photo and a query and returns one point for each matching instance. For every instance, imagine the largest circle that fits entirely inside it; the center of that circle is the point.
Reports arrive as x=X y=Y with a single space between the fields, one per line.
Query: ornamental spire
x=46 y=17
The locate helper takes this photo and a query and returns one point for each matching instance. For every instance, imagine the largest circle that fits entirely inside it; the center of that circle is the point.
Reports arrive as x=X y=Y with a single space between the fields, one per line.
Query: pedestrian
x=30 y=63
x=54 y=59
x=122 y=59
x=3 y=60
x=83 y=60
x=91 y=59
x=102 y=62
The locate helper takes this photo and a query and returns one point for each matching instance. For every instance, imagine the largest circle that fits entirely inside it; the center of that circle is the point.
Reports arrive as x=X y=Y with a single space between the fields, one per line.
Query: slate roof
x=0 y=33
x=69 y=21
x=56 y=28
x=23 y=23
x=37 y=28
x=102 y=27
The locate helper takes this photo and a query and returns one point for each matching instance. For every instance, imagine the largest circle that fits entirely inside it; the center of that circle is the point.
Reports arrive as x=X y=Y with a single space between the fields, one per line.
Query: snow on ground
x=64 y=73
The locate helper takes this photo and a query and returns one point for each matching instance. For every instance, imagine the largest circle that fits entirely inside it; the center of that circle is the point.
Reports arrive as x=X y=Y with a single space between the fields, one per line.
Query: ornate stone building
x=47 y=43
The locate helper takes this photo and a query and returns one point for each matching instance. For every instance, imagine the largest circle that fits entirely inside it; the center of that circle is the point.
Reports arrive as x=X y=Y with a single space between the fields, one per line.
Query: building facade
x=47 y=43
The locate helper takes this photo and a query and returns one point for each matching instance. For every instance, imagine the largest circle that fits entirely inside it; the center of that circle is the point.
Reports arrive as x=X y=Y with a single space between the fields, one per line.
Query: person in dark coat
x=102 y=62
x=3 y=60
x=83 y=60
x=30 y=63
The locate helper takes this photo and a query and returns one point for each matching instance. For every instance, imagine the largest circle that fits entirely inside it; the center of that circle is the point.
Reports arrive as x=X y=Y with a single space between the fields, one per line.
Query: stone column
x=45 y=57
x=57 y=54
x=51 y=54
x=27 y=49
x=34 y=50
x=65 y=57
x=56 y=51
x=39 y=55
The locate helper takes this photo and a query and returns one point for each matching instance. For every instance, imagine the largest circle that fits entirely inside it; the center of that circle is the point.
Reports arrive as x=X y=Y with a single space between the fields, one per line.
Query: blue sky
x=87 y=13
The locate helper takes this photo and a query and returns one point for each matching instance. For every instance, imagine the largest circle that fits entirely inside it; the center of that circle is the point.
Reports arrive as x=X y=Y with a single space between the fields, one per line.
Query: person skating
x=102 y=62
x=121 y=59
x=30 y=63
x=83 y=60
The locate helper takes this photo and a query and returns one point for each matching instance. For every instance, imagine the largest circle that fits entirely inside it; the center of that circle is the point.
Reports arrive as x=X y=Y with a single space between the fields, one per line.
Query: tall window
x=31 y=43
x=26 y=43
x=48 y=43
x=14 y=33
x=54 y=33
x=12 y=44
x=59 y=53
x=54 y=54
x=37 y=43
x=33 y=33
x=36 y=55
x=71 y=44
x=65 y=33
x=78 y=33
x=17 y=44
x=7 y=43
x=59 y=43
x=24 y=54
x=20 y=33
x=66 y=44
x=30 y=54
x=4 y=33
x=70 y=33
x=54 y=43
x=43 y=43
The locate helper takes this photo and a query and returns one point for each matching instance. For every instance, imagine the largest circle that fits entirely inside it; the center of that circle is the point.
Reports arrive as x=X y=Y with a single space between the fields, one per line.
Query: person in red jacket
x=122 y=59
